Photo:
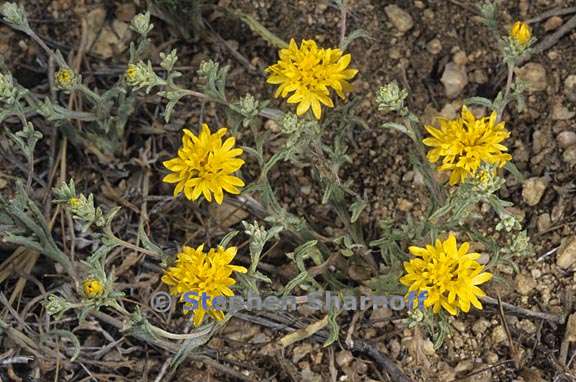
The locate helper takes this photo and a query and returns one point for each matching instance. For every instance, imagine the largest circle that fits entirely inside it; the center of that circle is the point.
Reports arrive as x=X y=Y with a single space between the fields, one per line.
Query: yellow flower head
x=308 y=72
x=65 y=78
x=204 y=166
x=203 y=272
x=448 y=274
x=465 y=143
x=74 y=202
x=92 y=288
x=521 y=33
x=131 y=74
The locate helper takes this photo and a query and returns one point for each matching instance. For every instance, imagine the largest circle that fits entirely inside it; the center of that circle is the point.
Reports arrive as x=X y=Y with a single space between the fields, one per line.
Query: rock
x=552 y=23
x=459 y=325
x=419 y=179
x=454 y=79
x=553 y=55
x=344 y=358
x=532 y=375
x=394 y=348
x=567 y=254
x=535 y=75
x=524 y=284
x=301 y=351
x=561 y=112
x=533 y=189
x=498 y=335
x=491 y=357
x=272 y=126
x=543 y=222
x=445 y=372
x=460 y=58
x=464 y=365
x=527 y=326
x=566 y=139
x=481 y=373
x=307 y=375
x=570 y=87
x=427 y=347
x=106 y=39
x=569 y=155
x=380 y=317
x=570 y=334
x=126 y=12
x=405 y=205
x=399 y=18
x=450 y=110
x=434 y=46
x=479 y=328
x=541 y=140
x=479 y=76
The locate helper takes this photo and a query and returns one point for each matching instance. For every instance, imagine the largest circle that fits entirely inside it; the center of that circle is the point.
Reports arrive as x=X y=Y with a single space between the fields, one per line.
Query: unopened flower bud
x=65 y=78
x=521 y=33
x=92 y=288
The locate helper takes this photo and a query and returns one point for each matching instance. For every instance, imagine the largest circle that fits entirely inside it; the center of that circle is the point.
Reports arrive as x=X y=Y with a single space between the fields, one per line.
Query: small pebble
x=463 y=366
x=567 y=254
x=454 y=79
x=499 y=335
x=399 y=18
x=569 y=155
x=434 y=46
x=535 y=76
x=533 y=189
x=566 y=139
x=570 y=87
x=524 y=284
x=543 y=222
x=552 y=23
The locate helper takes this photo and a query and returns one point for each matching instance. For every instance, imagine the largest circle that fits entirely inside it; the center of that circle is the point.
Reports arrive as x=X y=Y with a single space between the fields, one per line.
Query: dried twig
x=517 y=311
x=552 y=13
x=357 y=346
x=383 y=361
x=343 y=16
x=173 y=348
x=511 y=345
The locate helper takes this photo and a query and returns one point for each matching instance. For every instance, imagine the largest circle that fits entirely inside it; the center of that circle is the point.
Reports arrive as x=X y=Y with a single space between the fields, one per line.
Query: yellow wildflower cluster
x=521 y=33
x=465 y=143
x=308 y=72
x=204 y=166
x=448 y=274
x=203 y=273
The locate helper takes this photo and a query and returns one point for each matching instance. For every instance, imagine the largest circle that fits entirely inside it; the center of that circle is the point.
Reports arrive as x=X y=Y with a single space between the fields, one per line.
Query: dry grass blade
x=304 y=333
x=512 y=346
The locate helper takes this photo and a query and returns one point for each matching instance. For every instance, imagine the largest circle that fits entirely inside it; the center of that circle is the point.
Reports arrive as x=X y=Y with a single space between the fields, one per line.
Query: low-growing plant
x=461 y=161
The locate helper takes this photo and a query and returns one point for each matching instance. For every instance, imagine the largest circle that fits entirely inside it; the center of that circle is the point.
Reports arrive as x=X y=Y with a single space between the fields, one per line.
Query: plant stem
x=267 y=112
x=504 y=102
x=86 y=90
x=437 y=191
